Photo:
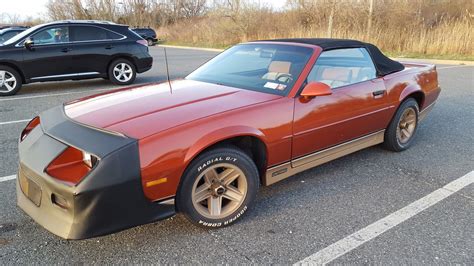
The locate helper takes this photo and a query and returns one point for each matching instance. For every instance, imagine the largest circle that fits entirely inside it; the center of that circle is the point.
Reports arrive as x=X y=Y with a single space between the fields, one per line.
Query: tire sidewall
x=203 y=162
x=111 y=74
x=18 y=81
x=392 y=134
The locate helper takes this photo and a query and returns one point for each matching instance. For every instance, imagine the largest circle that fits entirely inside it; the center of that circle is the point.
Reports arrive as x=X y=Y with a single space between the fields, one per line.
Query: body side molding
x=285 y=170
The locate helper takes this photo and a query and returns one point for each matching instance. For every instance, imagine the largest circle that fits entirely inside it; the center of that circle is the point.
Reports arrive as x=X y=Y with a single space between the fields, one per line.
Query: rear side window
x=343 y=67
x=91 y=33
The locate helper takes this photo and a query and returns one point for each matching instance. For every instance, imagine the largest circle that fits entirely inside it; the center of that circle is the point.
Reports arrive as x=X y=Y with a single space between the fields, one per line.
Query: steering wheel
x=288 y=77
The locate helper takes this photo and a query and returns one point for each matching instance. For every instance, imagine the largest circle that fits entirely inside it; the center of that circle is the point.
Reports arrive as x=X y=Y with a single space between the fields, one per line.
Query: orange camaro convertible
x=254 y=115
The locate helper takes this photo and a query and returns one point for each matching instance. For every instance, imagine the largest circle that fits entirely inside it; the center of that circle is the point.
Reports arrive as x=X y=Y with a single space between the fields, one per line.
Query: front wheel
x=218 y=187
x=122 y=72
x=402 y=129
x=10 y=81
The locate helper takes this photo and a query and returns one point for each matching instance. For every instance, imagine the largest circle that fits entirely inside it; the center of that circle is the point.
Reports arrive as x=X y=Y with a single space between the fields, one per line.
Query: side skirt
x=285 y=170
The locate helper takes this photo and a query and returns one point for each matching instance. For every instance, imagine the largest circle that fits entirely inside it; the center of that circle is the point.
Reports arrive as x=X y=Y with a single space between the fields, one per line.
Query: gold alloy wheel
x=406 y=126
x=219 y=191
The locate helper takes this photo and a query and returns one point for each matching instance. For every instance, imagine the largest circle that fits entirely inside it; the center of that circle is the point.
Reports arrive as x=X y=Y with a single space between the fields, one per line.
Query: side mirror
x=314 y=89
x=29 y=44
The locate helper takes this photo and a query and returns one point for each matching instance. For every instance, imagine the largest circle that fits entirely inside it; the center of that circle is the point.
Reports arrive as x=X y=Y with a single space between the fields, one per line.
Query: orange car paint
x=173 y=128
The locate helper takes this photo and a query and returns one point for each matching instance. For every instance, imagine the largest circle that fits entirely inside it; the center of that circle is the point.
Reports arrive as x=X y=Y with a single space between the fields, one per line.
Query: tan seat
x=276 y=69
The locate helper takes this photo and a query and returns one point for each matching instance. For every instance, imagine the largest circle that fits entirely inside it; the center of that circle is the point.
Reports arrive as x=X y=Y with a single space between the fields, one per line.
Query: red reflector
x=68 y=167
x=142 y=42
x=31 y=125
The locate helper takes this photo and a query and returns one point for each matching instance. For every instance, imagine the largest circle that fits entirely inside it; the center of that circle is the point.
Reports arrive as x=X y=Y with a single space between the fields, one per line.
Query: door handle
x=66 y=50
x=378 y=93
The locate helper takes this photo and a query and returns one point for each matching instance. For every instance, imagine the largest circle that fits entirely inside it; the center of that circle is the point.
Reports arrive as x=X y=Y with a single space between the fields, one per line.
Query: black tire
x=231 y=156
x=13 y=87
x=115 y=77
x=393 y=140
x=150 y=42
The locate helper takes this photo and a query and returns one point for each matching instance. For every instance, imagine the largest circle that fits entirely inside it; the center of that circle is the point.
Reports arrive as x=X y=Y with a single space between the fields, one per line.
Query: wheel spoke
x=228 y=176
x=405 y=133
x=202 y=192
x=12 y=79
x=233 y=194
x=9 y=88
x=210 y=175
x=214 y=205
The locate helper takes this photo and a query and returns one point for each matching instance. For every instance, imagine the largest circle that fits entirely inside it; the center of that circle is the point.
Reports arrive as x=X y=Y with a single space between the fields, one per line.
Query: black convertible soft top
x=383 y=64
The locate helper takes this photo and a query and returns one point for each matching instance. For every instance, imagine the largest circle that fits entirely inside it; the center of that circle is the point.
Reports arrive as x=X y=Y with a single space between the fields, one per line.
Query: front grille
x=31 y=190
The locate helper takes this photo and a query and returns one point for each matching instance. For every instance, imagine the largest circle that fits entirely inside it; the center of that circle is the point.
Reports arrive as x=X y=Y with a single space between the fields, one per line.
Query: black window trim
x=21 y=43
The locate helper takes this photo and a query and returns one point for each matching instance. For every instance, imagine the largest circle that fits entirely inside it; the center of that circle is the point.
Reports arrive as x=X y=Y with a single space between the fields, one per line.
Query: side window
x=343 y=67
x=51 y=35
x=89 y=33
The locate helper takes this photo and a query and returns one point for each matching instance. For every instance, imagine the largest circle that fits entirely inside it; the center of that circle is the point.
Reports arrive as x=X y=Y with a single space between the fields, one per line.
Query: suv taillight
x=31 y=125
x=143 y=42
x=72 y=165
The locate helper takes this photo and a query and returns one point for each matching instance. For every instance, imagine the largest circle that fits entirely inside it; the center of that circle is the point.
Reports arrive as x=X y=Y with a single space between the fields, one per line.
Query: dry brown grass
x=441 y=29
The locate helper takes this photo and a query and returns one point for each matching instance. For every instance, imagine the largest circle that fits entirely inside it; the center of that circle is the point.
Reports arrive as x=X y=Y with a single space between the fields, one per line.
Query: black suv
x=8 y=33
x=66 y=50
x=148 y=34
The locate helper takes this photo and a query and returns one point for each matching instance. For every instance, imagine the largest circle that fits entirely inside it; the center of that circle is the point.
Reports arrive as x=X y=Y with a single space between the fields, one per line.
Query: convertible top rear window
x=269 y=68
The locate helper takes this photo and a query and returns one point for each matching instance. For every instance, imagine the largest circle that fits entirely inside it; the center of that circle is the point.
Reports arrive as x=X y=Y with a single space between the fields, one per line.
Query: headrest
x=279 y=67
x=342 y=74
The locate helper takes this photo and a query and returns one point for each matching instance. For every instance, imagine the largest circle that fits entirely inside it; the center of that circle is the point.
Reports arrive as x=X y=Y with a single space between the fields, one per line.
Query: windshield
x=20 y=36
x=269 y=68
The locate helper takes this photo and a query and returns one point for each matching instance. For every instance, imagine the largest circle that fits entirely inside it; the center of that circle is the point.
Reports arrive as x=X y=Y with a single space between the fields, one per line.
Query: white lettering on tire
x=231 y=220
x=217 y=159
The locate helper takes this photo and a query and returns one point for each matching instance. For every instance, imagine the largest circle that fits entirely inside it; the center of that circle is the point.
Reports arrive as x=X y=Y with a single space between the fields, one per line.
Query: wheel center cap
x=218 y=190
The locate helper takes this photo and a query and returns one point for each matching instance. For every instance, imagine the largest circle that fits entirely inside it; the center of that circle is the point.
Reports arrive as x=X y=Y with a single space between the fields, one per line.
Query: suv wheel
x=122 y=72
x=10 y=81
x=218 y=187
x=402 y=129
x=150 y=42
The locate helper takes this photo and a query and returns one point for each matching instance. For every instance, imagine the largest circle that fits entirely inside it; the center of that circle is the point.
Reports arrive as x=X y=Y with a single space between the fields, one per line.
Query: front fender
x=221 y=135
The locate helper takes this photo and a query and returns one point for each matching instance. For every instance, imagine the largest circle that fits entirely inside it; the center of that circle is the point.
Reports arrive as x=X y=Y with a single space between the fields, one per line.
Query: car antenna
x=168 y=71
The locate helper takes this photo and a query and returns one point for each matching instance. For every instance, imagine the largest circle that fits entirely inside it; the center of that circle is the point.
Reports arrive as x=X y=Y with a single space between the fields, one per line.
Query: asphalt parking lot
x=337 y=211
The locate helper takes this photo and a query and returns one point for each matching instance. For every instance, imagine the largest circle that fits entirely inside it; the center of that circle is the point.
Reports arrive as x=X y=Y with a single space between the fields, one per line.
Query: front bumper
x=110 y=198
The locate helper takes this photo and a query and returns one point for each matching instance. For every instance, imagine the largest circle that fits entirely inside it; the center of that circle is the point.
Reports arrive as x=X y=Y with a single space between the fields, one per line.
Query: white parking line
x=14 y=122
x=54 y=94
x=7 y=178
x=370 y=232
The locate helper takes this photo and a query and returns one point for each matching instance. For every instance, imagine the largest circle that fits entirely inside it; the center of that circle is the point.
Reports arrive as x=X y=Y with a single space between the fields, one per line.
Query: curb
x=415 y=60
x=191 y=48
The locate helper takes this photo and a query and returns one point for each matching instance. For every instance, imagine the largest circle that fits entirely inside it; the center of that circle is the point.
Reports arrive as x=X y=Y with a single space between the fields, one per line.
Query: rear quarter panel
x=415 y=79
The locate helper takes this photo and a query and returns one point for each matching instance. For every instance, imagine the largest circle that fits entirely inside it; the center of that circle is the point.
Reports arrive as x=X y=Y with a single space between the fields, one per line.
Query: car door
x=358 y=105
x=49 y=56
x=93 y=48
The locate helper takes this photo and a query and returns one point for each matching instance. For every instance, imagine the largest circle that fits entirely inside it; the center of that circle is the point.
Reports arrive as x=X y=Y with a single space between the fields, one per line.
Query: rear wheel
x=218 y=187
x=122 y=72
x=150 y=42
x=10 y=81
x=402 y=129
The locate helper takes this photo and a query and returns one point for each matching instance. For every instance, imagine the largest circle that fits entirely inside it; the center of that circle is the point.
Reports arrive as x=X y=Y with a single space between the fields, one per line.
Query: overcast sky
x=36 y=8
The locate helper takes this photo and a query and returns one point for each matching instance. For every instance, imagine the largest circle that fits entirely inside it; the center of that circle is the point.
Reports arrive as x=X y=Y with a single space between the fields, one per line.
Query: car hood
x=142 y=111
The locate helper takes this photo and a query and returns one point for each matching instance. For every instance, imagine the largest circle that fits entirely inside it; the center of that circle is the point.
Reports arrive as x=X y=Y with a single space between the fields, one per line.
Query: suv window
x=91 y=33
x=51 y=35
x=343 y=67
x=8 y=35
